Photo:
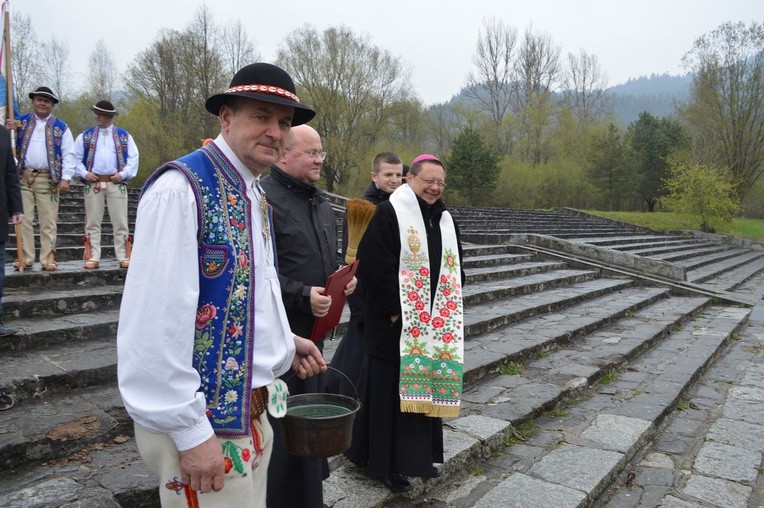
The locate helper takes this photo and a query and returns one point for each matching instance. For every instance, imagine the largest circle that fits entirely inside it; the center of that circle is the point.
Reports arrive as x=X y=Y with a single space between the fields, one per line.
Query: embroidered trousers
x=111 y=196
x=246 y=463
x=41 y=194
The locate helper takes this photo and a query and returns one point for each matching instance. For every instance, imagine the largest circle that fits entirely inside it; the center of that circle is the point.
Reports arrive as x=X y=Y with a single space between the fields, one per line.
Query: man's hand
x=307 y=358
x=202 y=467
x=63 y=186
x=351 y=287
x=116 y=178
x=10 y=124
x=319 y=304
x=17 y=218
x=91 y=177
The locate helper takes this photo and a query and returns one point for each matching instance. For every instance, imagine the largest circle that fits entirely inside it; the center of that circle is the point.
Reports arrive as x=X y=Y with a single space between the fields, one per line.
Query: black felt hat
x=264 y=82
x=105 y=108
x=44 y=91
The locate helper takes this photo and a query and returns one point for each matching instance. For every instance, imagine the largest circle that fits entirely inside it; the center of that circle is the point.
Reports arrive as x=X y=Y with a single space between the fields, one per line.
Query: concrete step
x=679 y=250
x=732 y=280
x=667 y=243
x=627 y=239
x=489 y=260
x=59 y=368
x=712 y=270
x=510 y=270
x=686 y=254
x=69 y=274
x=698 y=261
x=30 y=303
x=522 y=455
x=59 y=331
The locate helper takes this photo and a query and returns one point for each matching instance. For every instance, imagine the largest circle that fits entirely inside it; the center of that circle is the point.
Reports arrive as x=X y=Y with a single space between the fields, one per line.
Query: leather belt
x=104 y=178
x=259 y=402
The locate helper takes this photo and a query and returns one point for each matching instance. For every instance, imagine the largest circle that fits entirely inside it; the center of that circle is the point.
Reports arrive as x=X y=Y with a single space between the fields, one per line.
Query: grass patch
x=752 y=229
x=521 y=434
x=683 y=405
x=510 y=369
x=478 y=471
x=609 y=376
x=735 y=336
x=559 y=412
x=543 y=353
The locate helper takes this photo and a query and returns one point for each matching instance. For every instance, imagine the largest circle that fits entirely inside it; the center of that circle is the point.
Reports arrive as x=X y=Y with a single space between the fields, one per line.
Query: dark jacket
x=10 y=190
x=379 y=255
x=305 y=230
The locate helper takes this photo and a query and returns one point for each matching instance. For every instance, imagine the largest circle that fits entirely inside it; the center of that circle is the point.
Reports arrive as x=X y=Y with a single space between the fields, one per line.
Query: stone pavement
x=572 y=367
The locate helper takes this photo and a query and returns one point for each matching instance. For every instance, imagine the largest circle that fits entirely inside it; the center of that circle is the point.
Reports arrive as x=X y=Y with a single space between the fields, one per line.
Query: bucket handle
x=357 y=397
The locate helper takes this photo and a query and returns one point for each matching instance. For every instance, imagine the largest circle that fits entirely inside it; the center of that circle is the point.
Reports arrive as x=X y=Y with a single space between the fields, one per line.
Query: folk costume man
x=203 y=335
x=410 y=268
x=306 y=242
x=106 y=159
x=46 y=164
x=386 y=170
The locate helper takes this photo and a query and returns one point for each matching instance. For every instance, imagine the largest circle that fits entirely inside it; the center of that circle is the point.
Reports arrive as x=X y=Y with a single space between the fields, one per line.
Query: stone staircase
x=571 y=366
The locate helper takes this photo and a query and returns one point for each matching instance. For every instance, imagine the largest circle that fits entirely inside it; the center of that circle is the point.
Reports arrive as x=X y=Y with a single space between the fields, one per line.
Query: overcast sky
x=434 y=38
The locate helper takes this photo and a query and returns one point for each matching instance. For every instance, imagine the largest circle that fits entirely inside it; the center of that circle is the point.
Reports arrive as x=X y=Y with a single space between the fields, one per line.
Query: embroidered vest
x=90 y=141
x=54 y=131
x=225 y=314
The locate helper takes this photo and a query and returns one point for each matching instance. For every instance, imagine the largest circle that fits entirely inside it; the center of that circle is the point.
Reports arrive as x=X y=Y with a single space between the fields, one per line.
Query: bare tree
x=238 y=49
x=538 y=70
x=54 y=65
x=584 y=91
x=354 y=85
x=725 y=114
x=24 y=57
x=102 y=71
x=494 y=83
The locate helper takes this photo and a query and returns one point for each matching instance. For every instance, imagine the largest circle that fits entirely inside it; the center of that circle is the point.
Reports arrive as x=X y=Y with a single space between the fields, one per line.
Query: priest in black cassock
x=410 y=266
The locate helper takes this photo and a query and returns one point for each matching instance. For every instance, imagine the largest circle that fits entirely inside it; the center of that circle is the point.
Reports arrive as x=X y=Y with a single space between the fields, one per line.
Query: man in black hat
x=203 y=335
x=46 y=164
x=106 y=159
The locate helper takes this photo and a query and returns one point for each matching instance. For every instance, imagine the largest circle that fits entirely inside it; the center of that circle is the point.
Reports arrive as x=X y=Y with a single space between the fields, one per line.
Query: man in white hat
x=107 y=158
x=46 y=164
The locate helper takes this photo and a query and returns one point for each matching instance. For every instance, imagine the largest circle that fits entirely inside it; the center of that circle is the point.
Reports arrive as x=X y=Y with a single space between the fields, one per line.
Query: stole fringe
x=429 y=409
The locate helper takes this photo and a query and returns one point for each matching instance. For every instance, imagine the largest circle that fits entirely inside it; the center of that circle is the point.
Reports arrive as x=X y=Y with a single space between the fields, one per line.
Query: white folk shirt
x=105 y=157
x=36 y=156
x=155 y=340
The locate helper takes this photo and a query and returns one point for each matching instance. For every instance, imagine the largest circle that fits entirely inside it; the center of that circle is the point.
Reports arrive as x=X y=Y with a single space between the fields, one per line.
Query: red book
x=334 y=287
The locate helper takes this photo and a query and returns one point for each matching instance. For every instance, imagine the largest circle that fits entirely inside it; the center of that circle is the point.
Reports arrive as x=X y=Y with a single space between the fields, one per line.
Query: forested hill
x=656 y=94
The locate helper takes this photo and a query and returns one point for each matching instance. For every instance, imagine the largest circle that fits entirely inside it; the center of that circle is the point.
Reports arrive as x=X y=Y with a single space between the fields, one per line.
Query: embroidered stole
x=432 y=338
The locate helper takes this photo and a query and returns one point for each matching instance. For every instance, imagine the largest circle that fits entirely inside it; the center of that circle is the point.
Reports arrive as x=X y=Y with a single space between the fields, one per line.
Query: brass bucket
x=318 y=424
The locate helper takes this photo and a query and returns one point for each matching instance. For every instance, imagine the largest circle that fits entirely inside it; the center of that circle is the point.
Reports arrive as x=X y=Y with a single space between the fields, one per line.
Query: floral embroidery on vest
x=223 y=338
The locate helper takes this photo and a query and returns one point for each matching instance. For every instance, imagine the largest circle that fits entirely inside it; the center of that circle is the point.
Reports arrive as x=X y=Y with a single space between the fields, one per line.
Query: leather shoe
x=397 y=483
x=6 y=331
x=91 y=264
x=125 y=263
x=50 y=267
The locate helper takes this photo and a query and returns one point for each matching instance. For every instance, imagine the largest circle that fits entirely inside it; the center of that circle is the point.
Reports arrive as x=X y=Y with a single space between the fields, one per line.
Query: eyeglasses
x=313 y=155
x=431 y=181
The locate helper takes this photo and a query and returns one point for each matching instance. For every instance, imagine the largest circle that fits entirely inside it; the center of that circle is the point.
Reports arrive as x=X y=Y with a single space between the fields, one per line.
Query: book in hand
x=335 y=287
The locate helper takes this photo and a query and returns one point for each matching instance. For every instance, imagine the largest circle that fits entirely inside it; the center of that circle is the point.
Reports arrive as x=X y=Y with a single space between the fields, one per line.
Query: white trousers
x=246 y=460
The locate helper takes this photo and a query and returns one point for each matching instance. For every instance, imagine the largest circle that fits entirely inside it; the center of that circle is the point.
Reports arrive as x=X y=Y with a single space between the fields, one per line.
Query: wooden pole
x=9 y=74
x=20 y=262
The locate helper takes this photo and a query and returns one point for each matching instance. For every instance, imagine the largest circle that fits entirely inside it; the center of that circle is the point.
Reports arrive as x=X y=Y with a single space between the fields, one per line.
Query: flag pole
x=8 y=72
x=21 y=263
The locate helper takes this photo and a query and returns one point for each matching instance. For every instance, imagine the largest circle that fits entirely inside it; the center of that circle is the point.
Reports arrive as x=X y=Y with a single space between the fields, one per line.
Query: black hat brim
x=44 y=94
x=302 y=114
x=103 y=111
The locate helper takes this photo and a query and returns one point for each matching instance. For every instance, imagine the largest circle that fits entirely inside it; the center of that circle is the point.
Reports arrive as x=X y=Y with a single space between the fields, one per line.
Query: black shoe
x=397 y=483
x=434 y=472
x=6 y=331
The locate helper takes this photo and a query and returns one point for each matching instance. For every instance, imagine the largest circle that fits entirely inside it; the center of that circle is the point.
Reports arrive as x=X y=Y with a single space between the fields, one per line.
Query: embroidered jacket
x=90 y=140
x=225 y=314
x=54 y=131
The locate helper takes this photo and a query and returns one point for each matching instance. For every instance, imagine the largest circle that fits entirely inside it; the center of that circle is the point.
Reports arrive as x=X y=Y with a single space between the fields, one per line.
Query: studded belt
x=259 y=401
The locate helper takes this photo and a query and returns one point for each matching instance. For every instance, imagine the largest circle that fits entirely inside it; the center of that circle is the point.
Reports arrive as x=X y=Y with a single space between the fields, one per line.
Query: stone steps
x=711 y=270
x=542 y=443
x=686 y=254
x=677 y=251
